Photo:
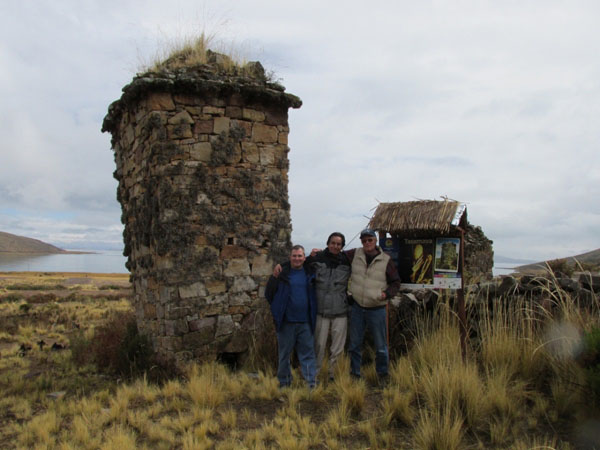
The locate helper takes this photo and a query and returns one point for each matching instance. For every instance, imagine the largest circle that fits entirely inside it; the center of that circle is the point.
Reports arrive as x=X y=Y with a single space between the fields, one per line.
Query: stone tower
x=201 y=157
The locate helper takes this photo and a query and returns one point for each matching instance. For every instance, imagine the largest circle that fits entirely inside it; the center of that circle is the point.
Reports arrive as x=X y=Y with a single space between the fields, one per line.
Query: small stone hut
x=425 y=218
x=202 y=165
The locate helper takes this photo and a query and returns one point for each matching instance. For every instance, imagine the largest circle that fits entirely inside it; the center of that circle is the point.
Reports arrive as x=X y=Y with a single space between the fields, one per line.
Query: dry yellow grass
x=514 y=390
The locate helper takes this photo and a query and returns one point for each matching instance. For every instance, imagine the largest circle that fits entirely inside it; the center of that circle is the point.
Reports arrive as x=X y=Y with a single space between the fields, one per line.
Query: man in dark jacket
x=294 y=307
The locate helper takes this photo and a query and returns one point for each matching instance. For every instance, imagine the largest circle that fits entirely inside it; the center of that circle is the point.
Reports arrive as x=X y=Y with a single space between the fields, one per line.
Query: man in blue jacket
x=294 y=307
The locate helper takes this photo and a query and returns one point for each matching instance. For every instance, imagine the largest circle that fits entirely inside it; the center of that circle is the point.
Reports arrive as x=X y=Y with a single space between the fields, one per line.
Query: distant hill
x=592 y=258
x=11 y=243
x=500 y=259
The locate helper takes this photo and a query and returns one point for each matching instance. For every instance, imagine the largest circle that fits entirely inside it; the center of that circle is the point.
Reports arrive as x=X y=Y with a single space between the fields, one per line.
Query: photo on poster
x=416 y=265
x=447 y=252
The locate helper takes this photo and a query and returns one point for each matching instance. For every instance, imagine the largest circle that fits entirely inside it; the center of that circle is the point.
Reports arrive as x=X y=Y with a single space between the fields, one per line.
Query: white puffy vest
x=367 y=282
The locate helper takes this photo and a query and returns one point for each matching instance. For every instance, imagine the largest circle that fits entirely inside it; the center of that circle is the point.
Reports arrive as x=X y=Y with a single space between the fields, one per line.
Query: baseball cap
x=367 y=232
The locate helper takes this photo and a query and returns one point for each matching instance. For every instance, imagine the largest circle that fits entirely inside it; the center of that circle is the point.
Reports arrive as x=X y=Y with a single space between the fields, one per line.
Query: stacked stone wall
x=202 y=167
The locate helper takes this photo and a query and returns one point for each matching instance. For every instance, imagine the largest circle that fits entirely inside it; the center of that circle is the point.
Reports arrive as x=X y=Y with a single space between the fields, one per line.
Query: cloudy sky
x=495 y=104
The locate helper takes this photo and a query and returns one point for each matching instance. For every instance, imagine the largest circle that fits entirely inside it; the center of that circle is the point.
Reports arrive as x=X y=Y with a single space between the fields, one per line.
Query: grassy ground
x=519 y=386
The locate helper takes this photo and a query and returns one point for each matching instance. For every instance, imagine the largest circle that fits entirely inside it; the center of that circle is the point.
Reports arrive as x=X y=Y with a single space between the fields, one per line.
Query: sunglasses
x=367 y=240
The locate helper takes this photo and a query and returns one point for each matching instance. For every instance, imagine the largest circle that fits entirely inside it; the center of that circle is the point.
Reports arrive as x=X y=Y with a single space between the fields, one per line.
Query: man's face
x=297 y=258
x=369 y=243
x=335 y=245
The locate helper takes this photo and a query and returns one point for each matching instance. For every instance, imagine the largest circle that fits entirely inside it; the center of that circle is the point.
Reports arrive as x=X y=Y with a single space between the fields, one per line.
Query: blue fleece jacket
x=278 y=294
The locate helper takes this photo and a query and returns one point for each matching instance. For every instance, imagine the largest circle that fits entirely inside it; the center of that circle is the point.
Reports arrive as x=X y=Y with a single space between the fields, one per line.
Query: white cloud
x=493 y=104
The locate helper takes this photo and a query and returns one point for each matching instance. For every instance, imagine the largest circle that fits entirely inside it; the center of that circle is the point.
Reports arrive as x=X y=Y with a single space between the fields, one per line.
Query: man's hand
x=314 y=251
x=383 y=295
x=276 y=270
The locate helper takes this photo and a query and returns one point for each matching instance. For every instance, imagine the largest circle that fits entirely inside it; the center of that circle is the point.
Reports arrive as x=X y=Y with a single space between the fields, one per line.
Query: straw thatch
x=416 y=216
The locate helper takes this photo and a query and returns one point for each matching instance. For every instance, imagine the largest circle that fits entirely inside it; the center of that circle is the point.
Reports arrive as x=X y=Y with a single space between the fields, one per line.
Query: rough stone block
x=224 y=326
x=243 y=284
x=276 y=116
x=199 y=324
x=171 y=343
x=250 y=152
x=240 y=299
x=193 y=290
x=213 y=110
x=221 y=124
x=163 y=262
x=181 y=131
x=157 y=101
x=176 y=327
x=262 y=266
x=149 y=311
x=235 y=112
x=173 y=312
x=165 y=294
x=253 y=115
x=217 y=300
x=204 y=127
x=182 y=117
x=238 y=343
x=238 y=310
x=264 y=133
x=160 y=312
x=198 y=338
x=129 y=135
x=216 y=287
x=267 y=155
x=201 y=151
x=247 y=126
x=233 y=251
x=236 y=267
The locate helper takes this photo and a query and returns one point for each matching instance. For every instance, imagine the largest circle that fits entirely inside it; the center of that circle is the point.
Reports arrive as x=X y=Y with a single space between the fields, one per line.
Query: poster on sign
x=415 y=262
x=447 y=253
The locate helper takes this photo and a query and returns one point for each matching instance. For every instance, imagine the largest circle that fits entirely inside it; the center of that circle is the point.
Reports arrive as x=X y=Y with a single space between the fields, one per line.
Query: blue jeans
x=374 y=319
x=296 y=335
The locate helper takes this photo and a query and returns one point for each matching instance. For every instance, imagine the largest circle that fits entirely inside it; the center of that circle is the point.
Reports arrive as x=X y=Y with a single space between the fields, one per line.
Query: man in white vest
x=373 y=282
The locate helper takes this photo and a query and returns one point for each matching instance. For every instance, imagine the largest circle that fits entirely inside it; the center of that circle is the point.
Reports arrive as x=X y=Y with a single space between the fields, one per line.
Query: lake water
x=99 y=262
x=503 y=269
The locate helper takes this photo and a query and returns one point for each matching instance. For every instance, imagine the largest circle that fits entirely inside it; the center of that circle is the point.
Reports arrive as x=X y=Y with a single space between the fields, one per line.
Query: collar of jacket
x=372 y=258
x=336 y=260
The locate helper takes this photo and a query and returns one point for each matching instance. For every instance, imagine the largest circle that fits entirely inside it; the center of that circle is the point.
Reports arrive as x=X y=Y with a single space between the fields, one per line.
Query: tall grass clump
x=114 y=346
x=195 y=50
x=507 y=340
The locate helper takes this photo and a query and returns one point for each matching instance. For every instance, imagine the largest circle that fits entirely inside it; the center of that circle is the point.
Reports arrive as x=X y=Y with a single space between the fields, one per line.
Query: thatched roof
x=418 y=216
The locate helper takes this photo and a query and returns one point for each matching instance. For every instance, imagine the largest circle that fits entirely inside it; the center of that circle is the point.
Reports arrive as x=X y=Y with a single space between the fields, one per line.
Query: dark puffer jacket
x=278 y=294
x=332 y=273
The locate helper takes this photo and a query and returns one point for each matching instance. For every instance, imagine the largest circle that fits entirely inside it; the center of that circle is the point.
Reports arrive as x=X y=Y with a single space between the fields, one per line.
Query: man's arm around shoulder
x=393 y=279
x=271 y=288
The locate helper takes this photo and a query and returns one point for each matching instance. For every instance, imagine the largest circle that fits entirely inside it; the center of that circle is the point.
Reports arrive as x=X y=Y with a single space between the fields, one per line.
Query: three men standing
x=373 y=279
